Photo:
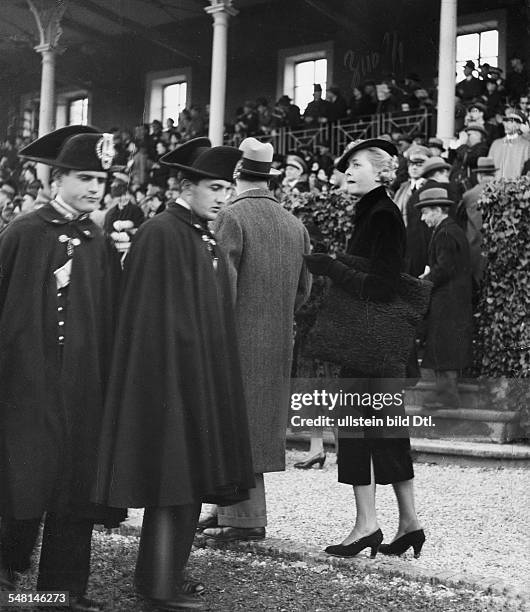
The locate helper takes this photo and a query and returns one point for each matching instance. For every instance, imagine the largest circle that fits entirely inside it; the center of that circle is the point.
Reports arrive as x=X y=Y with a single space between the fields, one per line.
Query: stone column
x=446 y=70
x=221 y=11
x=48 y=15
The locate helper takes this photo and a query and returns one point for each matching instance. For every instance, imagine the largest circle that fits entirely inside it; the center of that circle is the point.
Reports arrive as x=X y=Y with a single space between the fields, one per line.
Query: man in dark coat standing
x=265 y=245
x=58 y=278
x=175 y=432
x=449 y=322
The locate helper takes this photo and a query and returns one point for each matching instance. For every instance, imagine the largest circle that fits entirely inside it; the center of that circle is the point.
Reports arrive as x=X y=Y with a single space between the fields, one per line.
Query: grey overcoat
x=269 y=280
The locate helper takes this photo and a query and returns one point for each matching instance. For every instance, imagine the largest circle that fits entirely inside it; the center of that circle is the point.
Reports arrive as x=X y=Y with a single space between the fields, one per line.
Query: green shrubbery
x=503 y=318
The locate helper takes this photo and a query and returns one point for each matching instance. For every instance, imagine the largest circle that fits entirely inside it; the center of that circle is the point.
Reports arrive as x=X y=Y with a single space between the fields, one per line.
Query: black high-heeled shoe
x=306 y=465
x=372 y=541
x=416 y=539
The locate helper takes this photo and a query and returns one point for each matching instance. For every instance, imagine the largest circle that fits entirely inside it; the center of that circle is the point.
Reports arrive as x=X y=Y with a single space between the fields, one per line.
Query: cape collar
x=84 y=224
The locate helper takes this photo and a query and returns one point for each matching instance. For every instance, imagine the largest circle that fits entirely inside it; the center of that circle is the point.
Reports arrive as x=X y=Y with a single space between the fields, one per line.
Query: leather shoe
x=234 y=534
x=84 y=604
x=7 y=580
x=207 y=523
x=180 y=602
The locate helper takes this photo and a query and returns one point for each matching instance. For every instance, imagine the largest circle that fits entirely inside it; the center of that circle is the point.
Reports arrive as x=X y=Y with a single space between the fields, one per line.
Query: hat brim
x=372 y=143
x=273 y=172
x=485 y=170
x=52 y=162
x=434 y=168
x=197 y=172
x=435 y=202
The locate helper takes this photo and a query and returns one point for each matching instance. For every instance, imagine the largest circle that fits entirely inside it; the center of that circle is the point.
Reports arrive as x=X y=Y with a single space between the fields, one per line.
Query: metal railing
x=338 y=135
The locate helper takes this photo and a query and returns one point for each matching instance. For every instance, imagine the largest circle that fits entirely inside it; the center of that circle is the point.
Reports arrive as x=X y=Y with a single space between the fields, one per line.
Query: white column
x=221 y=11
x=446 y=70
x=47 y=89
x=48 y=17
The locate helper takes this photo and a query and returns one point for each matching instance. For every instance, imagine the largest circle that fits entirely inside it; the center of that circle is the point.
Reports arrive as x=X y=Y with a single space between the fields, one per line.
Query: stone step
x=448 y=452
x=469 y=424
x=470 y=396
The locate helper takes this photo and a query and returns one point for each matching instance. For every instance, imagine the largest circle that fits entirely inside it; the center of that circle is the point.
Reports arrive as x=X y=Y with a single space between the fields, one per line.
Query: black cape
x=51 y=397
x=175 y=428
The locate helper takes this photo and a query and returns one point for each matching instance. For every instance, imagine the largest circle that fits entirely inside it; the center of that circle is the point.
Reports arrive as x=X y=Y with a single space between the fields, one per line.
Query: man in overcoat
x=449 y=322
x=175 y=432
x=265 y=245
x=58 y=277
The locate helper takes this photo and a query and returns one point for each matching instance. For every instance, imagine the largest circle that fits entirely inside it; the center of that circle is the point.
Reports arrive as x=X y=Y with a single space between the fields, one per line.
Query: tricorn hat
x=198 y=157
x=74 y=147
x=257 y=159
x=486 y=165
x=377 y=143
x=435 y=196
x=433 y=164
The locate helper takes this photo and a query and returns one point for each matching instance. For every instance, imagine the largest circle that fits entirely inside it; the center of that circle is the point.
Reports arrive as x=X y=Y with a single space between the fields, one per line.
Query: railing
x=338 y=135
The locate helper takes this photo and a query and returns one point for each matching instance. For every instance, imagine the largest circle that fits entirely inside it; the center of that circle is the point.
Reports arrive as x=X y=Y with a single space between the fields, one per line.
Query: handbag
x=375 y=338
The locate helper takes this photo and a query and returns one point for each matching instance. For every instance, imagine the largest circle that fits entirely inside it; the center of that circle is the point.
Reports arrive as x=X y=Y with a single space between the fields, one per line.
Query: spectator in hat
x=466 y=156
x=248 y=121
x=403 y=143
x=54 y=363
x=471 y=216
x=511 y=152
x=124 y=207
x=265 y=246
x=493 y=98
x=436 y=171
x=369 y=102
x=516 y=79
x=338 y=107
x=449 y=322
x=470 y=88
x=175 y=428
x=264 y=116
x=286 y=114
x=436 y=146
x=414 y=157
x=295 y=180
x=317 y=111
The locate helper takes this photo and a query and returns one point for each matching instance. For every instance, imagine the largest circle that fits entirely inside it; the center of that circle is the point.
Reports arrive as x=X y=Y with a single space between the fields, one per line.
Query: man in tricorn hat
x=265 y=246
x=58 y=278
x=449 y=322
x=175 y=432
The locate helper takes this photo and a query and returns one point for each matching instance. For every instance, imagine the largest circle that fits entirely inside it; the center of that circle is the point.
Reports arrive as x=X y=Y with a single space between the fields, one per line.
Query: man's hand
x=319 y=263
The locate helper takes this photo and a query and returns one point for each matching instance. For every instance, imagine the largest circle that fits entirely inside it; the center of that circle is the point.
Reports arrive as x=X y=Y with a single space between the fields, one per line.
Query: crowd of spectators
x=490 y=111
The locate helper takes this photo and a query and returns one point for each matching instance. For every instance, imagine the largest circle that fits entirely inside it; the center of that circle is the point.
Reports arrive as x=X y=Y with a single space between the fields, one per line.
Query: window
x=173 y=100
x=167 y=94
x=306 y=74
x=481 y=37
x=302 y=67
x=78 y=111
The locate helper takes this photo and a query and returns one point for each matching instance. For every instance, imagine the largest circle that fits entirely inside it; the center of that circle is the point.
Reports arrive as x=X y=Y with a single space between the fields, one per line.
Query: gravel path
x=476 y=519
x=239 y=582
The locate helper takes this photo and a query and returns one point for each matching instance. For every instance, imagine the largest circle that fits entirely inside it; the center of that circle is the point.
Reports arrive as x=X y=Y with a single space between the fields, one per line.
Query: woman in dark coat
x=374 y=458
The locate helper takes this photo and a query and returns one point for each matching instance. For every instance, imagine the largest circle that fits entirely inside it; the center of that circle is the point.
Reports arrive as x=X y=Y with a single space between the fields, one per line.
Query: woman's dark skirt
x=387 y=447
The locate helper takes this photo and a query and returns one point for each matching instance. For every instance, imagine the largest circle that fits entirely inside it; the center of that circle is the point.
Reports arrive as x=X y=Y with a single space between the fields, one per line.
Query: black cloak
x=175 y=429
x=52 y=396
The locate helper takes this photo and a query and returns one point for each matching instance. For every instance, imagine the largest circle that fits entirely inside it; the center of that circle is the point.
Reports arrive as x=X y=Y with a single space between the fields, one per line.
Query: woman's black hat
x=372 y=143
x=198 y=157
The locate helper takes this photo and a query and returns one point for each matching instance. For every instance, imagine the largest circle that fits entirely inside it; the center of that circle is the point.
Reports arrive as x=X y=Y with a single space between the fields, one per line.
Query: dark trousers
x=65 y=555
x=165 y=545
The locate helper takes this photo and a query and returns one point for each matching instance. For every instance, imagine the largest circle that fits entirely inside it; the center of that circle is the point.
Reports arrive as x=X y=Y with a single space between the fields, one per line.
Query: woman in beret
x=377 y=456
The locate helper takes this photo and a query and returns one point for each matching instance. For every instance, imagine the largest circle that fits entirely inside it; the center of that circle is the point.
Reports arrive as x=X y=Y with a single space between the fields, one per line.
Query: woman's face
x=360 y=175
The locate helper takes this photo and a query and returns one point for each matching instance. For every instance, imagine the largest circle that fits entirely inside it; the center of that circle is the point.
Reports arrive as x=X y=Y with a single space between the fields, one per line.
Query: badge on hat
x=105 y=150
